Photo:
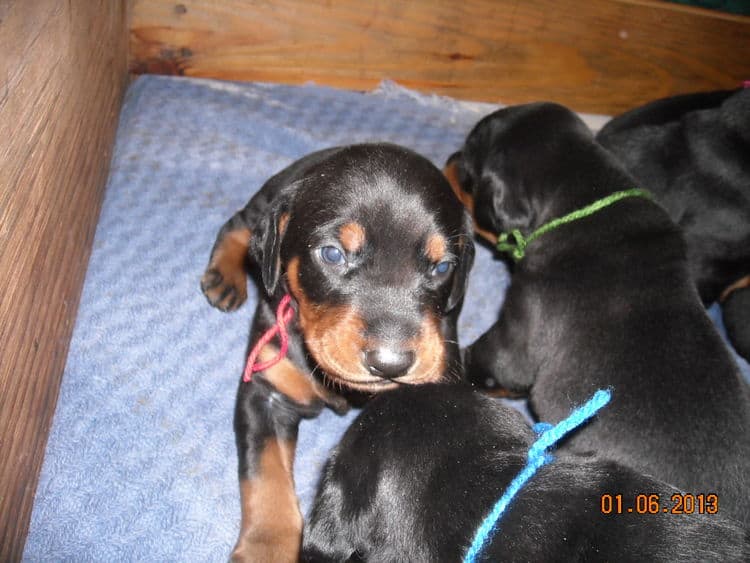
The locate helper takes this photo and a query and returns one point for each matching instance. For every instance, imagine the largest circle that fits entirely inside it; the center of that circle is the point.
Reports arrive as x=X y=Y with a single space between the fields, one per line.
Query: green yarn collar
x=515 y=243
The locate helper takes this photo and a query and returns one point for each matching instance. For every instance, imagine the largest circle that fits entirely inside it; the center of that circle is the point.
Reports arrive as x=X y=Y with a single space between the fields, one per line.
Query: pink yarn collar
x=284 y=314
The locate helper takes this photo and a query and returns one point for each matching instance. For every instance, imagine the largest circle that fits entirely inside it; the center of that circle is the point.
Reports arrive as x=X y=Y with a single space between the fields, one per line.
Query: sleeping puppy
x=420 y=468
x=364 y=253
x=603 y=301
x=693 y=153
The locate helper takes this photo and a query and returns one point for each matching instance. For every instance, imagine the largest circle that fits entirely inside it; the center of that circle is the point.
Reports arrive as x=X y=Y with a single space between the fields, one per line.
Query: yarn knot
x=513 y=242
x=537 y=457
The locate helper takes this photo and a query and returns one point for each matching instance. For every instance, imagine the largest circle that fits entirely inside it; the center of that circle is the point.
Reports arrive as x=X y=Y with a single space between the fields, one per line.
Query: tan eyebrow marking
x=352 y=236
x=436 y=248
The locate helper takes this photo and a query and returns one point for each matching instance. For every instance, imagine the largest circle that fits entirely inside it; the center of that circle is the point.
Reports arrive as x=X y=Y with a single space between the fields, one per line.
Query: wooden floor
x=63 y=67
x=600 y=56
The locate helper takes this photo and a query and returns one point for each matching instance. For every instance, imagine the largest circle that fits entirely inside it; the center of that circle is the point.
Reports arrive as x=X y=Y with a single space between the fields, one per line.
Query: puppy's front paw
x=489 y=368
x=225 y=289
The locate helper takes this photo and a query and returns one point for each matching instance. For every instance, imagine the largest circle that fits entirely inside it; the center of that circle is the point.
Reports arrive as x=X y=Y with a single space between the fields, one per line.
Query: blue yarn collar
x=537 y=457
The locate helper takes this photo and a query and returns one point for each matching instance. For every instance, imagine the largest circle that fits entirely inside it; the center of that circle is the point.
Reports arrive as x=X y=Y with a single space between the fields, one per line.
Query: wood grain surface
x=63 y=68
x=599 y=56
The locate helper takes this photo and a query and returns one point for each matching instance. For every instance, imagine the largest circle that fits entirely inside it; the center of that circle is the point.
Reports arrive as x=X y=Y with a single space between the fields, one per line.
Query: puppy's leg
x=267 y=418
x=224 y=282
x=499 y=360
x=271 y=524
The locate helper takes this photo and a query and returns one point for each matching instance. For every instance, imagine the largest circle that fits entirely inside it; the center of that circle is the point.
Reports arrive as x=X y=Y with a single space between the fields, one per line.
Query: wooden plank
x=64 y=69
x=598 y=56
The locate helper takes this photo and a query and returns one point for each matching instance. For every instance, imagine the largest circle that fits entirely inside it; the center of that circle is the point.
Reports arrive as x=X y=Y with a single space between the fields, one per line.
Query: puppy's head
x=373 y=246
x=521 y=166
x=423 y=447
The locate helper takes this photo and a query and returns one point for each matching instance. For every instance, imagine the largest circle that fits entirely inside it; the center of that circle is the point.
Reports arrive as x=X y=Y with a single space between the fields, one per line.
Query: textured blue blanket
x=140 y=463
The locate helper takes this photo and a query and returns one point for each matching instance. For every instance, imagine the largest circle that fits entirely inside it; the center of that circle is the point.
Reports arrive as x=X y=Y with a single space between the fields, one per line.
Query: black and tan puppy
x=605 y=300
x=413 y=478
x=374 y=250
x=693 y=153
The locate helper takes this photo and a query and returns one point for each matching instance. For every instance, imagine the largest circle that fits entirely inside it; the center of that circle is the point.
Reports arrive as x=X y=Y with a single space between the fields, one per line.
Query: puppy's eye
x=332 y=255
x=442 y=268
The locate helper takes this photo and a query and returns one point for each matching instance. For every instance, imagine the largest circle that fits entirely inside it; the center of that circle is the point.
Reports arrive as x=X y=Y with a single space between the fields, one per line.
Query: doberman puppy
x=693 y=153
x=604 y=300
x=374 y=250
x=419 y=469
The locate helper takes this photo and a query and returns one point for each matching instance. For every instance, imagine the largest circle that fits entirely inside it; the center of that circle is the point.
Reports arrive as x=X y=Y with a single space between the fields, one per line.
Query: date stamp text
x=678 y=503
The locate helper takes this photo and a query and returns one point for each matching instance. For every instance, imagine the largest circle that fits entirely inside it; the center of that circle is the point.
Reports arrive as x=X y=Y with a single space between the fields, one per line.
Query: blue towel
x=140 y=463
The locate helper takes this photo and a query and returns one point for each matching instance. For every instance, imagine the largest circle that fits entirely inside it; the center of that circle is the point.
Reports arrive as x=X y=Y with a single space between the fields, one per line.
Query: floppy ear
x=461 y=275
x=499 y=208
x=488 y=197
x=265 y=249
x=456 y=174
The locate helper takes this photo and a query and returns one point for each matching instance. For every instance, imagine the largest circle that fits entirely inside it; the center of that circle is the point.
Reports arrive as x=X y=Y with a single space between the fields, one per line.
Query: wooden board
x=63 y=70
x=599 y=56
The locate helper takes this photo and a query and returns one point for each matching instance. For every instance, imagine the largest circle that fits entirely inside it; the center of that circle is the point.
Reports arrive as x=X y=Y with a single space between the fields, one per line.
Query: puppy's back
x=417 y=472
x=693 y=153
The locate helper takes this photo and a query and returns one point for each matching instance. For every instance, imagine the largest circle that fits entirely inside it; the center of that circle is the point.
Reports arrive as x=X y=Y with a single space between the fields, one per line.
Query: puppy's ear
x=265 y=249
x=461 y=275
x=455 y=172
x=499 y=208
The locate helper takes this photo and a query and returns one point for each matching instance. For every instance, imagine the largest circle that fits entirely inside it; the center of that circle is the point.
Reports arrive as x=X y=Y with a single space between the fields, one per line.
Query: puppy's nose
x=388 y=363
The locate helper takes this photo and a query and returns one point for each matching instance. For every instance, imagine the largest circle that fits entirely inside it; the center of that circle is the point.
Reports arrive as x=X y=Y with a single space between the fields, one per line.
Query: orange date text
x=678 y=503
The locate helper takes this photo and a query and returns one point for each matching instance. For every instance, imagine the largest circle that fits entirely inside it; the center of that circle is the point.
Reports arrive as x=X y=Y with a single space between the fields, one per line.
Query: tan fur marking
x=332 y=334
x=501 y=393
x=430 y=365
x=435 y=248
x=451 y=174
x=283 y=222
x=352 y=237
x=271 y=526
x=739 y=284
x=467 y=200
x=288 y=379
x=229 y=260
x=335 y=337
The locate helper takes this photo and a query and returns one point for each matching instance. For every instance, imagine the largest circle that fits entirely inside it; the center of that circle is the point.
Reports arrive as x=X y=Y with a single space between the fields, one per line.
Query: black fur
x=693 y=153
x=419 y=469
x=604 y=301
x=736 y=310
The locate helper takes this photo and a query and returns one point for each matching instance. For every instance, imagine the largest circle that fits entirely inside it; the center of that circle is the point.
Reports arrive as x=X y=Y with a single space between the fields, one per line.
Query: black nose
x=388 y=363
